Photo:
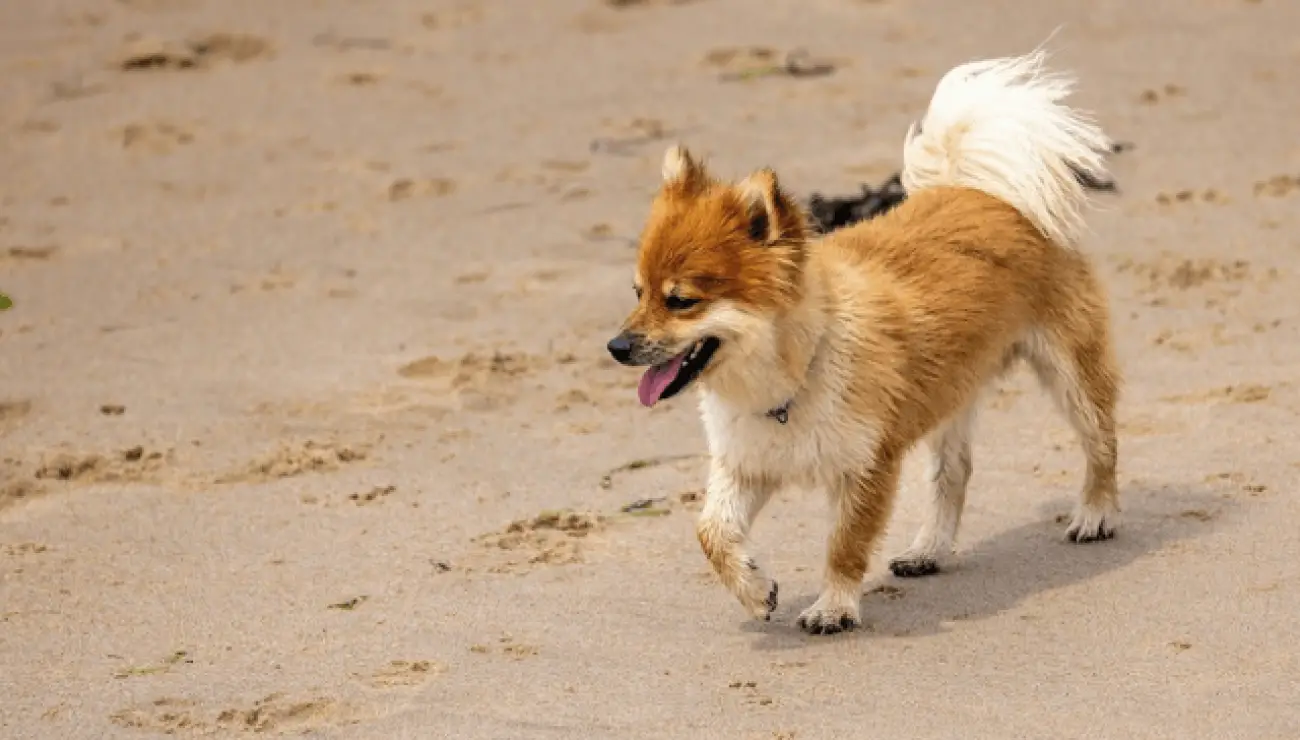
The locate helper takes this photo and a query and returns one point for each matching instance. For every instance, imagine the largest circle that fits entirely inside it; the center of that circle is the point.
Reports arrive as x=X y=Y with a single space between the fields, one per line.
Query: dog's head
x=716 y=264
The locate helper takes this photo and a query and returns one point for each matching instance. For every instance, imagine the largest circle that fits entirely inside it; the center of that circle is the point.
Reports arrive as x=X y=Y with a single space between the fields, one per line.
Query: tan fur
x=881 y=335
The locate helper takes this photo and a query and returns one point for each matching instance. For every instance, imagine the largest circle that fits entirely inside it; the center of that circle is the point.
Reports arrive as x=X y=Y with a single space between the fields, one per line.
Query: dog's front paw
x=829 y=615
x=914 y=565
x=1092 y=524
x=759 y=597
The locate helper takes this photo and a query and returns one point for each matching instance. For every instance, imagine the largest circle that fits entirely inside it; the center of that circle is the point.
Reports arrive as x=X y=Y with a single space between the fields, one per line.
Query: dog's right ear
x=681 y=172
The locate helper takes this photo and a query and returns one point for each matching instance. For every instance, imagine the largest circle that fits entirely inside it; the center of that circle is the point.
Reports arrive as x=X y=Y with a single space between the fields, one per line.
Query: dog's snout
x=620 y=348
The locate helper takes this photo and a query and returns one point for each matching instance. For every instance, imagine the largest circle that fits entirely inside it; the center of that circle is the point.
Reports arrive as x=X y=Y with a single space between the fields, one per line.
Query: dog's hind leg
x=731 y=504
x=1076 y=365
x=949 y=472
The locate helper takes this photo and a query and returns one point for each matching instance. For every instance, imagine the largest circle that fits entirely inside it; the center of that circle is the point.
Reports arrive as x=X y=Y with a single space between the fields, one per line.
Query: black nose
x=620 y=348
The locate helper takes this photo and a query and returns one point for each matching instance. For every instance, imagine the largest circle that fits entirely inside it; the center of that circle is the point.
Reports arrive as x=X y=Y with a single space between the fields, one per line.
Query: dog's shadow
x=998 y=573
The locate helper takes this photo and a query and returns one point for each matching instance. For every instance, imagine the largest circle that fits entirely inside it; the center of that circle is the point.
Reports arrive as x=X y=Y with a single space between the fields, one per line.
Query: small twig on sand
x=798 y=63
x=607 y=480
x=180 y=656
x=657 y=506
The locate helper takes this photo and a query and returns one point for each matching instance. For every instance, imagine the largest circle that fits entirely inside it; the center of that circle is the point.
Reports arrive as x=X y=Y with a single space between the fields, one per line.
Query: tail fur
x=999 y=126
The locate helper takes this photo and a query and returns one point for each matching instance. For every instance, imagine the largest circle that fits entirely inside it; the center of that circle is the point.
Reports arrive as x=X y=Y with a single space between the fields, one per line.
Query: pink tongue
x=657 y=379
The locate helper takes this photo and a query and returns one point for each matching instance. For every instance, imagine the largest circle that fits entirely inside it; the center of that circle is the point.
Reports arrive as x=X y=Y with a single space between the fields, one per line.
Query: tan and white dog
x=822 y=360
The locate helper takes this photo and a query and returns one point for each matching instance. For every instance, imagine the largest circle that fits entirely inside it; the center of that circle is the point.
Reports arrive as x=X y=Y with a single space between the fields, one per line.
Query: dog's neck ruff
x=782 y=413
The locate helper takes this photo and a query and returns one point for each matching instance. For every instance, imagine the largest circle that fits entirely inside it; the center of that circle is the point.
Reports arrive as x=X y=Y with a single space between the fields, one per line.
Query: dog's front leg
x=862 y=503
x=730 y=507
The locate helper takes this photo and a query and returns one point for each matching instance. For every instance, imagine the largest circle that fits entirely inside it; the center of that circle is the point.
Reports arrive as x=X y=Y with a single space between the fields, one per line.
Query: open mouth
x=670 y=378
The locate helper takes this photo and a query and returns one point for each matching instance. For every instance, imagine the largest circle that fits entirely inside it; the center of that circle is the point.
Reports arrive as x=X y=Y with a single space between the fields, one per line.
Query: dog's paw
x=1092 y=524
x=829 y=615
x=770 y=602
x=914 y=565
x=759 y=597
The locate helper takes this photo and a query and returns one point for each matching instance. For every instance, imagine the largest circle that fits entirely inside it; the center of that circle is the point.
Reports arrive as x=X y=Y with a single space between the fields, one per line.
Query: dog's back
x=950 y=281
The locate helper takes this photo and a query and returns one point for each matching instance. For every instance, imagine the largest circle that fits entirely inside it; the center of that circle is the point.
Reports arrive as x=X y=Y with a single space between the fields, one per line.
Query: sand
x=307 y=427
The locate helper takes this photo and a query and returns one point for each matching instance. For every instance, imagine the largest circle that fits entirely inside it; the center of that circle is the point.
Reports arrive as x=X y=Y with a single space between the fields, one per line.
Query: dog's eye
x=677 y=303
x=637 y=290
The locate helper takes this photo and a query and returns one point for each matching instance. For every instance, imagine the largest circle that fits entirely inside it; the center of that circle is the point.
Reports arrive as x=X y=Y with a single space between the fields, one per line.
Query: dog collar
x=781 y=413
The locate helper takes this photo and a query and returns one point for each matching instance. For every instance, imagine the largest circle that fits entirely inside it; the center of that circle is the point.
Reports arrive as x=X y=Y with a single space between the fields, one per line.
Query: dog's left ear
x=772 y=215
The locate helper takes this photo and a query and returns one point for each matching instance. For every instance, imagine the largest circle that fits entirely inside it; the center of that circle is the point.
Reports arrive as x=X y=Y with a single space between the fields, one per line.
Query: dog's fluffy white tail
x=999 y=126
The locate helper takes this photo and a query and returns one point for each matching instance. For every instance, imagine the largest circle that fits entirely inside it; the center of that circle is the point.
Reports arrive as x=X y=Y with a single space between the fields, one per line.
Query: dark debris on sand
x=829 y=214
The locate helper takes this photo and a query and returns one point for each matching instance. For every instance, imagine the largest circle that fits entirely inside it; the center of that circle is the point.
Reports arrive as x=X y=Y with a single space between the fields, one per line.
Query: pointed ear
x=681 y=171
x=772 y=215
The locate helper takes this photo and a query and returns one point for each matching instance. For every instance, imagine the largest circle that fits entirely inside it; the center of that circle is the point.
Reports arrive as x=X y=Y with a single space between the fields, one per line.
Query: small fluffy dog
x=822 y=360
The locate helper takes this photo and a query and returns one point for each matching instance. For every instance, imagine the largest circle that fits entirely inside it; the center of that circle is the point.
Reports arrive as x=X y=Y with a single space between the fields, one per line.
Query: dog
x=821 y=360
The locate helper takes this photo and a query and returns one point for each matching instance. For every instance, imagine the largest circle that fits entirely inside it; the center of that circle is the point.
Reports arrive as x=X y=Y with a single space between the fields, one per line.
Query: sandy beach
x=307 y=426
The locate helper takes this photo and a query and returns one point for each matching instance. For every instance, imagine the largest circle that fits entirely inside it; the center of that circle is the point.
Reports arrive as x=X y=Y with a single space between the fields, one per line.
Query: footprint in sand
x=1169 y=91
x=24 y=254
x=167 y=716
x=459 y=16
x=292 y=460
x=1149 y=427
x=361 y=79
x=13 y=412
x=132 y=465
x=198 y=52
x=572 y=399
x=373 y=496
x=273 y=714
x=1180 y=273
x=157 y=137
x=1278 y=186
x=407 y=188
x=1209 y=195
x=473 y=278
x=405 y=673
x=25 y=548
x=550 y=538
x=14 y=492
x=508 y=647
x=1238 y=481
x=1244 y=393
x=479 y=382
x=279 y=714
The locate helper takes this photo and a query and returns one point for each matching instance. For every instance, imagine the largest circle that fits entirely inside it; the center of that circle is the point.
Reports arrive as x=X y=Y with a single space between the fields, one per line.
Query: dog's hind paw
x=1092 y=525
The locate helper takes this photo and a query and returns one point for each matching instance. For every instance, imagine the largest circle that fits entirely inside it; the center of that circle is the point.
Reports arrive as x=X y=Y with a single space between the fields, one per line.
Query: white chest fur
x=820 y=440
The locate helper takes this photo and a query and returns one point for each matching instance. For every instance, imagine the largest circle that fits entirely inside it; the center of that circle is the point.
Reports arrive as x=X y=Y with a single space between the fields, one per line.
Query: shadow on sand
x=996 y=574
